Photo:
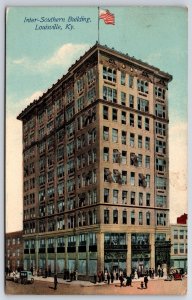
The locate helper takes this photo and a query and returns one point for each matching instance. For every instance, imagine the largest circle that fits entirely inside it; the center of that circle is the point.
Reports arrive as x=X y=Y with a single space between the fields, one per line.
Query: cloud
x=62 y=57
x=66 y=54
x=15 y=107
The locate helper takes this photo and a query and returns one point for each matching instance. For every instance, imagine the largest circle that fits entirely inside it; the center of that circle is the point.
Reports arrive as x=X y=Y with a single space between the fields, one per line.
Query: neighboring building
x=179 y=243
x=13 y=251
x=96 y=168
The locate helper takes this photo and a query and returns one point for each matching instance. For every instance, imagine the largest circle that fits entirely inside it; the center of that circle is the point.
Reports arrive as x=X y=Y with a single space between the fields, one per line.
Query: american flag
x=107 y=17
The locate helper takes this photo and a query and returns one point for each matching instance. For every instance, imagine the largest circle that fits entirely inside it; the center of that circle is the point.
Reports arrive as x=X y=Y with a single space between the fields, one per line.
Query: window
x=160 y=201
x=131 y=81
x=106 y=216
x=160 y=147
x=117 y=158
x=124 y=157
x=69 y=96
x=70 y=130
x=131 y=120
x=115 y=135
x=159 y=92
x=148 y=218
x=69 y=113
x=142 y=86
x=148 y=196
x=105 y=133
x=132 y=218
x=161 y=183
x=92 y=239
x=132 y=140
x=181 y=234
x=142 y=104
x=132 y=178
x=123 y=117
x=109 y=94
x=105 y=112
x=160 y=111
x=91 y=95
x=123 y=98
x=133 y=159
x=139 y=160
x=80 y=103
x=124 y=177
x=175 y=234
x=91 y=75
x=140 y=199
x=122 y=78
x=106 y=195
x=106 y=154
x=147 y=124
x=123 y=137
x=161 y=219
x=82 y=240
x=181 y=248
x=139 y=141
x=140 y=218
x=80 y=85
x=60 y=242
x=114 y=114
x=147 y=161
x=109 y=74
x=132 y=198
x=115 y=196
x=147 y=143
x=160 y=128
x=115 y=216
x=124 y=197
x=160 y=165
x=147 y=180
x=124 y=217
x=175 y=248
x=131 y=101
x=139 y=122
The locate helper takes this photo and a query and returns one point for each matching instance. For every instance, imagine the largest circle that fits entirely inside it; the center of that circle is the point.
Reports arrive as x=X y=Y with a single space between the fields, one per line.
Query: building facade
x=13 y=251
x=179 y=243
x=96 y=168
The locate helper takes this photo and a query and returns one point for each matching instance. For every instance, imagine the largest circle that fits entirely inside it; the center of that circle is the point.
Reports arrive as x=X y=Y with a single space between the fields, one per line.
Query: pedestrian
x=108 y=278
x=121 y=280
x=150 y=272
x=95 y=278
x=145 y=281
x=112 y=277
x=55 y=281
x=130 y=278
x=128 y=281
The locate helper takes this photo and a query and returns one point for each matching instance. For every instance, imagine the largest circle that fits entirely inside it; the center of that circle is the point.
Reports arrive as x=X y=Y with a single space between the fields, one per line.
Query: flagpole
x=98 y=24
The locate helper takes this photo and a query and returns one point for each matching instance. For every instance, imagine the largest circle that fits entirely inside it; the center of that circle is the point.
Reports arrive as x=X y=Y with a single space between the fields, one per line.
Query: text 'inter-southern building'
x=96 y=168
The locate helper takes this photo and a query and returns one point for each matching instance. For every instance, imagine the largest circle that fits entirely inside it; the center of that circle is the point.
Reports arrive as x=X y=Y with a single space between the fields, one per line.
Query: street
x=40 y=287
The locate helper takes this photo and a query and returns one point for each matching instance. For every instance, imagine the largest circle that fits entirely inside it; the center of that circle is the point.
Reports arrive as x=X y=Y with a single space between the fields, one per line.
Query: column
x=152 y=243
x=128 y=241
x=100 y=251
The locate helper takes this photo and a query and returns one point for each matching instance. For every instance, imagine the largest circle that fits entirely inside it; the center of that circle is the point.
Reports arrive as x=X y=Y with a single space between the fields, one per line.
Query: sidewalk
x=88 y=283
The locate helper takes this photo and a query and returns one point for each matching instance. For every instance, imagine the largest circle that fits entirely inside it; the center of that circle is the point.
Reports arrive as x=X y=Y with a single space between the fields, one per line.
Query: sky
x=35 y=59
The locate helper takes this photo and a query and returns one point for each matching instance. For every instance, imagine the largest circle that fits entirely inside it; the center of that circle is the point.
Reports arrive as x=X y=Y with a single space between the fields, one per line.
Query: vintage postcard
x=96 y=150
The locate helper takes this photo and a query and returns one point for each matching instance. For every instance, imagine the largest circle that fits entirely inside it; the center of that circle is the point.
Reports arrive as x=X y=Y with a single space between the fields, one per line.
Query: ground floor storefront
x=86 y=254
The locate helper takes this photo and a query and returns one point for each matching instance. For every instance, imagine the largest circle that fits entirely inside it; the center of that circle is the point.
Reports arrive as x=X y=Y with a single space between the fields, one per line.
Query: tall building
x=96 y=168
